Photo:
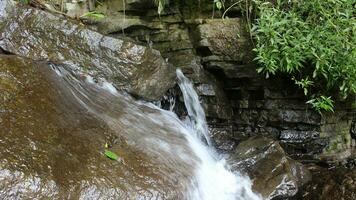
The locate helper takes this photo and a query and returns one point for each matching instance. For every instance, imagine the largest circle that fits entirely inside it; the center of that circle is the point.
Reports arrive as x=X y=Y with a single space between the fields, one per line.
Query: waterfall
x=194 y=108
x=180 y=150
x=214 y=180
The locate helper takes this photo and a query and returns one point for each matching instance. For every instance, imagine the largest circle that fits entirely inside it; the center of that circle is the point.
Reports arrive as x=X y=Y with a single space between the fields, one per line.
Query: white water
x=195 y=111
x=214 y=180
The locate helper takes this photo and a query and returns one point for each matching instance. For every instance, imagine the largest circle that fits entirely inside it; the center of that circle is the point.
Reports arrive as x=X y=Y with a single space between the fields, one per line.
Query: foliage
x=111 y=155
x=322 y=103
x=303 y=83
x=94 y=14
x=219 y=4
x=309 y=39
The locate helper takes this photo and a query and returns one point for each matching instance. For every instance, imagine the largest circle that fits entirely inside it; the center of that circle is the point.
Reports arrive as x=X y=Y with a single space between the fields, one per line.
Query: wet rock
x=222 y=139
x=295 y=136
x=329 y=184
x=206 y=90
x=226 y=39
x=294 y=116
x=138 y=69
x=6 y=7
x=54 y=126
x=274 y=175
x=337 y=131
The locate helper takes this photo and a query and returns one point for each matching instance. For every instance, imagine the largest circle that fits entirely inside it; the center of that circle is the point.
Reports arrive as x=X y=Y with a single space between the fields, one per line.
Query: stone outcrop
x=217 y=55
x=41 y=35
x=329 y=184
x=239 y=102
x=274 y=175
x=6 y=7
x=54 y=127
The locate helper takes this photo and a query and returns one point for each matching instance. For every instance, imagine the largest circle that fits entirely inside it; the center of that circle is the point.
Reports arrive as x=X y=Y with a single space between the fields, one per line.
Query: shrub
x=313 y=41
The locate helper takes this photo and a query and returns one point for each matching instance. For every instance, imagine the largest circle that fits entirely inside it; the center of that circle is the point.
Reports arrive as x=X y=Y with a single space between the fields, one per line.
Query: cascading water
x=214 y=180
x=195 y=111
x=160 y=157
x=211 y=179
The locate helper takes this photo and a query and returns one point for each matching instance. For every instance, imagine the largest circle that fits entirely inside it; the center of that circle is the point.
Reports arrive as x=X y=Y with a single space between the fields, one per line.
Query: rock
x=329 y=184
x=76 y=9
x=137 y=69
x=274 y=175
x=222 y=139
x=302 y=144
x=223 y=38
x=337 y=131
x=294 y=116
x=205 y=90
x=6 y=8
x=232 y=70
x=54 y=126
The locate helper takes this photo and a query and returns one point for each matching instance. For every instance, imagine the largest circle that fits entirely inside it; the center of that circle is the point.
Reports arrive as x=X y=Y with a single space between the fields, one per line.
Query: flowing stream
x=68 y=118
x=215 y=181
x=211 y=179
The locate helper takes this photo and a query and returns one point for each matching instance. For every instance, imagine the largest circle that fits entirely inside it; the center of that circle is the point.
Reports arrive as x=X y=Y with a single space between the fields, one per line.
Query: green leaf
x=218 y=5
x=94 y=14
x=111 y=155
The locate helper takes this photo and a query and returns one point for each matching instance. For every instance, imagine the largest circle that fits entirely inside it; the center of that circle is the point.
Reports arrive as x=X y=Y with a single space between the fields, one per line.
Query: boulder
x=329 y=184
x=223 y=40
x=41 y=35
x=55 y=127
x=6 y=7
x=274 y=175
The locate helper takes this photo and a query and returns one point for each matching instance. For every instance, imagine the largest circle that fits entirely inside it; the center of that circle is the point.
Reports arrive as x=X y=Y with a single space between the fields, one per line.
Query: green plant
x=309 y=39
x=94 y=14
x=111 y=155
x=304 y=84
x=218 y=4
x=322 y=103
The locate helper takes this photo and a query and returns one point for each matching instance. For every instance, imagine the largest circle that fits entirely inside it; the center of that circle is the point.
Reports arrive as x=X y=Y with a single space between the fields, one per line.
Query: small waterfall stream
x=159 y=155
x=211 y=179
x=214 y=180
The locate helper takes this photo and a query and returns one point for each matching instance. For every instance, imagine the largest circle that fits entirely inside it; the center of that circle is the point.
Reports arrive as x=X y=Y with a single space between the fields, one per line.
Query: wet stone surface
x=53 y=131
x=329 y=184
x=274 y=175
x=41 y=35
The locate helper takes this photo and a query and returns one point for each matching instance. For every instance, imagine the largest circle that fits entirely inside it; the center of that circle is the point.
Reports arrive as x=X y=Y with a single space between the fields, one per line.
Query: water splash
x=194 y=108
x=214 y=180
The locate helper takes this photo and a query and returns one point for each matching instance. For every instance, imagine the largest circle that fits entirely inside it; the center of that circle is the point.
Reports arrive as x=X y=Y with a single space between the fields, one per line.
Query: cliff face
x=217 y=55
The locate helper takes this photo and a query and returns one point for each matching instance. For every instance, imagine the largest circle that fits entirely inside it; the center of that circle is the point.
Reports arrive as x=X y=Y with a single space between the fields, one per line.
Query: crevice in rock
x=203 y=51
x=2 y=51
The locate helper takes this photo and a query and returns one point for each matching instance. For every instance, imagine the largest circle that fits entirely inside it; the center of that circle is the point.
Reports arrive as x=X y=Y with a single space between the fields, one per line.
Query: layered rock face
x=40 y=35
x=239 y=103
x=216 y=55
